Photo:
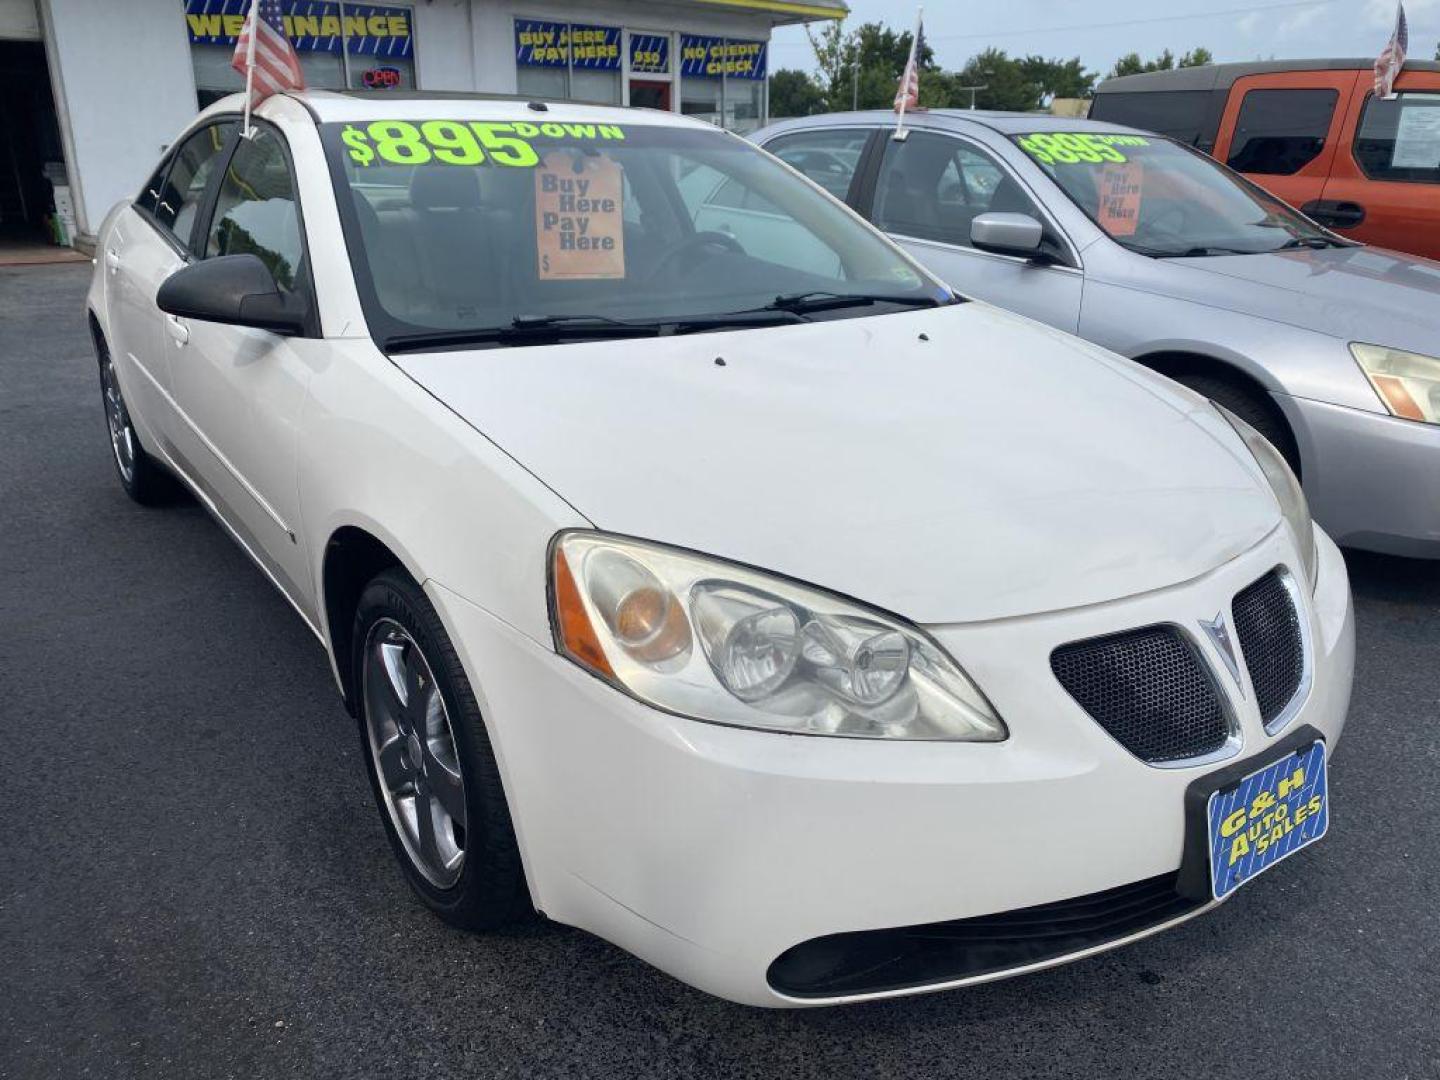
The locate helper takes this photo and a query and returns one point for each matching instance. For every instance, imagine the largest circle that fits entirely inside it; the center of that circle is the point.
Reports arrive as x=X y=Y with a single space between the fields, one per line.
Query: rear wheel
x=142 y=477
x=1251 y=407
x=431 y=767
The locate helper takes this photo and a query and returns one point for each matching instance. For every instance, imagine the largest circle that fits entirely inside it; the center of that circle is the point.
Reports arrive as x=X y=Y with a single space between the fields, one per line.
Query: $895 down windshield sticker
x=1075 y=148
x=463 y=142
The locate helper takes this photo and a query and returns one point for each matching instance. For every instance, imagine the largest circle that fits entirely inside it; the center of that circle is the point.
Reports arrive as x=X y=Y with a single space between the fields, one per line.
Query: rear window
x=1279 y=132
x=1181 y=114
x=1400 y=139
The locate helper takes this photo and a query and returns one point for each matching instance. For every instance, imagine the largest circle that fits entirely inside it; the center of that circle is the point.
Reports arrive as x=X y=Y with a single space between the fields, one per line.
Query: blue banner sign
x=711 y=57
x=311 y=25
x=650 y=54
x=553 y=44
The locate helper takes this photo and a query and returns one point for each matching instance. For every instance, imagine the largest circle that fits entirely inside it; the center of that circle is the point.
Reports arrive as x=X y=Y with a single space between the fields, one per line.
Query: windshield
x=1159 y=198
x=558 y=231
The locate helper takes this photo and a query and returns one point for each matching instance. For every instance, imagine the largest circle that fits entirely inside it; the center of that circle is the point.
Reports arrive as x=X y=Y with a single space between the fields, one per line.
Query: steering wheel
x=706 y=239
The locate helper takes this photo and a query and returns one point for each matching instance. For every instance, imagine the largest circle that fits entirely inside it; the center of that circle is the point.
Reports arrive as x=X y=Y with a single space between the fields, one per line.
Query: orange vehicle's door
x=1282 y=130
x=1384 y=186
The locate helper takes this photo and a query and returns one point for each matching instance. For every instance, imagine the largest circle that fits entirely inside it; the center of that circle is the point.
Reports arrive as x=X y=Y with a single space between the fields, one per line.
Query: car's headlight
x=1286 y=487
x=719 y=642
x=1408 y=383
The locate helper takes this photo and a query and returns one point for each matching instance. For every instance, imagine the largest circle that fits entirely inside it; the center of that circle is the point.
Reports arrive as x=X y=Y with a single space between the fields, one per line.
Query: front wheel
x=1251 y=407
x=431 y=767
x=143 y=478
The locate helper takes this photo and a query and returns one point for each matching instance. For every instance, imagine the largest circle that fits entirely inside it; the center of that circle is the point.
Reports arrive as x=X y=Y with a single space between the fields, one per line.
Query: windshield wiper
x=1315 y=243
x=821 y=300
x=1201 y=252
x=524 y=330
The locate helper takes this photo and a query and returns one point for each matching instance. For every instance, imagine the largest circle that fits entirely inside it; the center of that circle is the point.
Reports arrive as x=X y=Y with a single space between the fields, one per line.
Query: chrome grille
x=1149 y=689
x=1268 y=628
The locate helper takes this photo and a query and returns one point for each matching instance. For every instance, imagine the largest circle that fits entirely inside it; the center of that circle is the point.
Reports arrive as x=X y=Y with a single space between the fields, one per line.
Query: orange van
x=1311 y=132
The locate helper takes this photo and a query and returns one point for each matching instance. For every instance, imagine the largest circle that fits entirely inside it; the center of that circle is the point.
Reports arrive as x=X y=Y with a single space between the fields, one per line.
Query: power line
x=1251 y=10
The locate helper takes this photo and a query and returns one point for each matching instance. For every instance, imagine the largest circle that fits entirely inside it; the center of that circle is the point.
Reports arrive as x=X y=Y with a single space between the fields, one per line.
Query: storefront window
x=568 y=60
x=339 y=44
x=722 y=80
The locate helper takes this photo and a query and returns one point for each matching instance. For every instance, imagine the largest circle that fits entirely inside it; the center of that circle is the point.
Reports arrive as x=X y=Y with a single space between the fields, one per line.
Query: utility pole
x=855 y=87
x=973 y=91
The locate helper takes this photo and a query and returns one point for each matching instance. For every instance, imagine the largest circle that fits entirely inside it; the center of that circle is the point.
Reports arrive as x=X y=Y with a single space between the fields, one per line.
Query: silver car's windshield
x=1159 y=198
x=521 y=232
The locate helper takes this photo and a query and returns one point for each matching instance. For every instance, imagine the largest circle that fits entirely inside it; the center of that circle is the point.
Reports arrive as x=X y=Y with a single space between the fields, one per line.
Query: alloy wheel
x=413 y=748
x=117 y=418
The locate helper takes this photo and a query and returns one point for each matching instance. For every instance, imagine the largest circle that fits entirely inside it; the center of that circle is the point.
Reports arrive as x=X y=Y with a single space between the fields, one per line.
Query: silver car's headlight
x=1286 y=487
x=715 y=641
x=1408 y=383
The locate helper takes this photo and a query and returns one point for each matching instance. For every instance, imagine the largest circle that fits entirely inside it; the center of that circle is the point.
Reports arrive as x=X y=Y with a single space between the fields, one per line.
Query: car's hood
x=1355 y=294
x=996 y=469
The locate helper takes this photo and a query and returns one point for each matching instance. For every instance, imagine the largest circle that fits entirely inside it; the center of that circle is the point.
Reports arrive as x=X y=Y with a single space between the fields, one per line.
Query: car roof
x=341 y=106
x=1223 y=76
x=1003 y=123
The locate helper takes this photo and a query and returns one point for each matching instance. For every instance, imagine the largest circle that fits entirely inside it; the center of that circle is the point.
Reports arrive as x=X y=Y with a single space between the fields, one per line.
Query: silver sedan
x=1152 y=250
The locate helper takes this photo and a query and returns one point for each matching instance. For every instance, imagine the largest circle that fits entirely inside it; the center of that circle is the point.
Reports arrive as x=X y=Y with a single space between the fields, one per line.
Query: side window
x=1400 y=139
x=1279 y=132
x=257 y=212
x=829 y=157
x=177 y=200
x=932 y=187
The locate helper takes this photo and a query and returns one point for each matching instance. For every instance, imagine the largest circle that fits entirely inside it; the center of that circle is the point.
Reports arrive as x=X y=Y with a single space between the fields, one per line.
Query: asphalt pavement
x=194 y=881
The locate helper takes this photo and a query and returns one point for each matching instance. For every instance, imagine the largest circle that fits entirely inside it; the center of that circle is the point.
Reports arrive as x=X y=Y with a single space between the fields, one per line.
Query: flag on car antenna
x=265 y=56
x=908 y=94
x=1392 y=57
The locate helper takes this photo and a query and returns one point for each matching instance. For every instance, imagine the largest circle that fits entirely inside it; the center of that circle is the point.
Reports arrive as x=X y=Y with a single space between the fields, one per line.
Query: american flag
x=1392 y=57
x=277 y=67
x=908 y=95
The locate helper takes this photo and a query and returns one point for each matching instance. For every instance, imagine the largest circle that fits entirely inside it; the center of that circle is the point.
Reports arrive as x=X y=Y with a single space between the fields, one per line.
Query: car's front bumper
x=710 y=851
x=1372 y=480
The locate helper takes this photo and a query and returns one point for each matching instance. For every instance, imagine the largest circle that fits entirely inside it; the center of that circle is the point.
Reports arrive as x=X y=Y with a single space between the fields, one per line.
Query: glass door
x=650 y=69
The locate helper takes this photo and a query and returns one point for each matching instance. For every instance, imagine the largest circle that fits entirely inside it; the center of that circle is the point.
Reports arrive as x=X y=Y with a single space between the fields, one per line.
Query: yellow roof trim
x=784 y=7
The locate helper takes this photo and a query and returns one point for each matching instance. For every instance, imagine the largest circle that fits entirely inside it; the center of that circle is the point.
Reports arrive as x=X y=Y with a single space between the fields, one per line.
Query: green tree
x=1006 y=84
x=1058 y=78
x=1131 y=64
x=794 y=93
x=862 y=67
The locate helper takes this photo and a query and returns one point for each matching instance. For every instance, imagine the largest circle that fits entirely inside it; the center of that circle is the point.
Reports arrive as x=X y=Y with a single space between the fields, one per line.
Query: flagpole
x=250 y=66
x=900 y=133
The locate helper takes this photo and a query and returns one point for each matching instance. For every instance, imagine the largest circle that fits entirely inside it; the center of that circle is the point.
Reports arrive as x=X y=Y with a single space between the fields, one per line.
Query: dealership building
x=91 y=91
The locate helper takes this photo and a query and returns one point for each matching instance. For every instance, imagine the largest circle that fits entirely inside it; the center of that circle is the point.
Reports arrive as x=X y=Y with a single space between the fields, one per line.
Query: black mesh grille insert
x=1148 y=688
x=1269 y=631
x=871 y=961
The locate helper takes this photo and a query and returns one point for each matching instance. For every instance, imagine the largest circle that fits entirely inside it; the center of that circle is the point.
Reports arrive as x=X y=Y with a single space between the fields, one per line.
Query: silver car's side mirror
x=1007 y=234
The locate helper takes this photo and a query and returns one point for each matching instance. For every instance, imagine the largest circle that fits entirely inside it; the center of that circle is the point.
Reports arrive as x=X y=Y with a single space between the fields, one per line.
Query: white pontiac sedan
x=764 y=607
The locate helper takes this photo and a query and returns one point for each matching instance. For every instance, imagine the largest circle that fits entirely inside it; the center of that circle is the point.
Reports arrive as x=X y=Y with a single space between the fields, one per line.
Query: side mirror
x=1007 y=234
x=237 y=290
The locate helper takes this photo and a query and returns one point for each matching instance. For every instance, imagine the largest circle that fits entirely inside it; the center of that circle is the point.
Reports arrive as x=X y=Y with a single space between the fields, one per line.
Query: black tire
x=490 y=891
x=144 y=479
x=1251 y=407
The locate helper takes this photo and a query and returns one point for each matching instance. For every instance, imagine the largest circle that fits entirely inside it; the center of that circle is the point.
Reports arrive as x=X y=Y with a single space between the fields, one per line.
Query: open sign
x=382 y=78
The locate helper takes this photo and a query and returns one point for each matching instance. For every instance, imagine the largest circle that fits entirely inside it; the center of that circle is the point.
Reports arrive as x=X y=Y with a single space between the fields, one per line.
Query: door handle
x=112 y=259
x=1335 y=214
x=178 y=330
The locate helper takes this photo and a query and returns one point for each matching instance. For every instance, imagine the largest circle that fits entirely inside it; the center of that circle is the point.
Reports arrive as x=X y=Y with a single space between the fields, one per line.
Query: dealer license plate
x=1270 y=814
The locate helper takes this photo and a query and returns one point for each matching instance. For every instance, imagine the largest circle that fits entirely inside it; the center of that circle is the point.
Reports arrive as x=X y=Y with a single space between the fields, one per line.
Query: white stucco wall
x=19 y=21
x=124 y=88
x=445 y=29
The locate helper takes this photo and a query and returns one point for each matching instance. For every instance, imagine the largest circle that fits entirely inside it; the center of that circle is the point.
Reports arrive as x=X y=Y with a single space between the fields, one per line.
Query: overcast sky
x=1098 y=31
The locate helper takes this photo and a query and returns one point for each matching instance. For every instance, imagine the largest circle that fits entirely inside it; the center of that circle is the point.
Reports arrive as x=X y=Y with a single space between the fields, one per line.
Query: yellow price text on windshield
x=460 y=142
x=1074 y=148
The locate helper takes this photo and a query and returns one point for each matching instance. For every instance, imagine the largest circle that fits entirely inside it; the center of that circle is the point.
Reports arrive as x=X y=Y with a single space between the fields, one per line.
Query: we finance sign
x=311 y=25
